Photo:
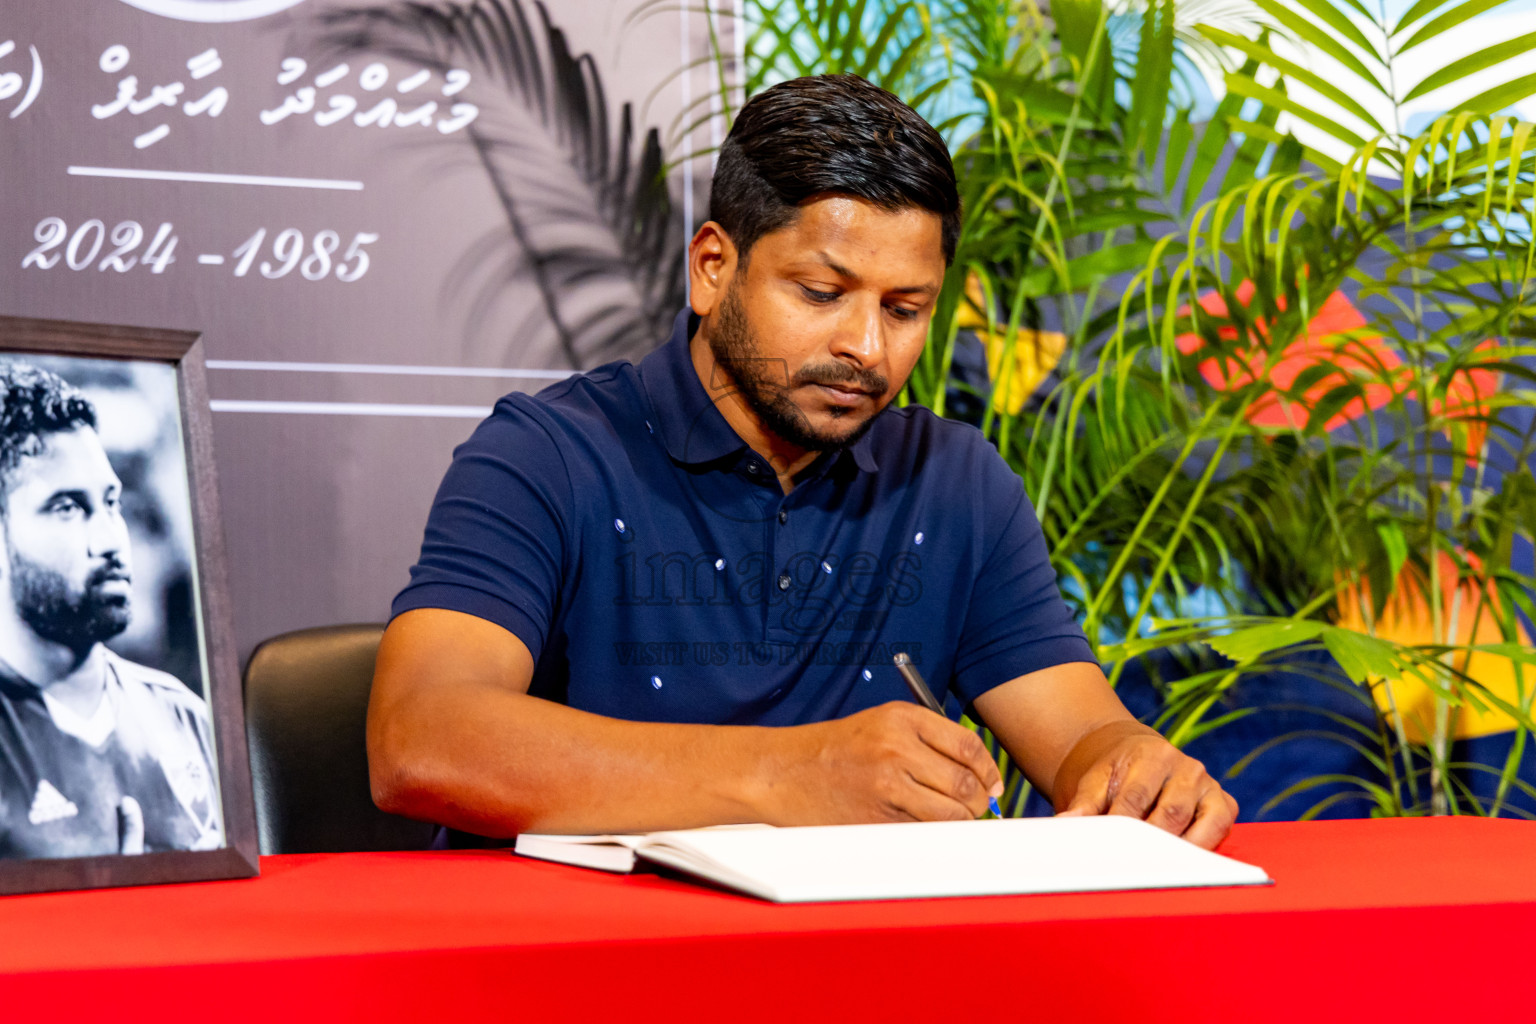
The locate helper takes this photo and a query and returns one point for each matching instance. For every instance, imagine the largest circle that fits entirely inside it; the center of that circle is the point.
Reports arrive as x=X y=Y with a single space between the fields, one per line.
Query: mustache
x=114 y=570
x=841 y=375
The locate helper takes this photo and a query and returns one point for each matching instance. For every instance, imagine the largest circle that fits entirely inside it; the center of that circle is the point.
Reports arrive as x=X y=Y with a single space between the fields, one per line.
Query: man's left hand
x=1127 y=768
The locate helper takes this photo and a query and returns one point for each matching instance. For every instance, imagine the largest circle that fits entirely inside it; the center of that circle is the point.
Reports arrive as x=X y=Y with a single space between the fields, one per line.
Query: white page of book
x=952 y=858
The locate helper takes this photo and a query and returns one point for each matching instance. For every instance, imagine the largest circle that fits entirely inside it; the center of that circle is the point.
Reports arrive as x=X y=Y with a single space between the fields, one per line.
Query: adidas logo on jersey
x=50 y=805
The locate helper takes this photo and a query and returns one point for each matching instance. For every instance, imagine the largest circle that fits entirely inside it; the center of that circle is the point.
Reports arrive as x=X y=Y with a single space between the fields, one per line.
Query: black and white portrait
x=106 y=742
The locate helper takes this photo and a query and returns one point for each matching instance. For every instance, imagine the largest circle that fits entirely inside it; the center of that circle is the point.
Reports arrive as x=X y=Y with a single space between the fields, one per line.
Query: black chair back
x=306 y=704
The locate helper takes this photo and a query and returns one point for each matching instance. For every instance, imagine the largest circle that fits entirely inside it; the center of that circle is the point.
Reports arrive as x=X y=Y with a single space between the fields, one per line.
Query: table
x=1401 y=920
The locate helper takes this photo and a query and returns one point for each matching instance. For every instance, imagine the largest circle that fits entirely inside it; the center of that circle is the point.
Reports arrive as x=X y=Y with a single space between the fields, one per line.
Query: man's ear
x=712 y=263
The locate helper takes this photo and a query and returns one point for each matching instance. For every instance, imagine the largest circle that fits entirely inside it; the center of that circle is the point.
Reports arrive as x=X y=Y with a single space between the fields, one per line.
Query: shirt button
x=784 y=581
x=783 y=516
x=752 y=468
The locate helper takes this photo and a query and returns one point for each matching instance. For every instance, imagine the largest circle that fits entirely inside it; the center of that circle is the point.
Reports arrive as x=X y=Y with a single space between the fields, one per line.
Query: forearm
x=455 y=738
x=1051 y=721
x=497 y=763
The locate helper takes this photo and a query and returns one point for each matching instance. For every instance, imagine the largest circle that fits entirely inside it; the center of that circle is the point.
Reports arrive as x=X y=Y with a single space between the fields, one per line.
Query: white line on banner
x=685 y=82
x=218 y=179
x=409 y=371
x=476 y=412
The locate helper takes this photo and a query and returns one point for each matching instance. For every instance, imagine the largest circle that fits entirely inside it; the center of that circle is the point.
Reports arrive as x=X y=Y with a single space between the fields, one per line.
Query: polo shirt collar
x=863 y=450
x=690 y=425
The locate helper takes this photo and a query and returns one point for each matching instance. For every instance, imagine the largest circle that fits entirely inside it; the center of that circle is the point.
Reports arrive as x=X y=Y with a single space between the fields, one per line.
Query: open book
x=919 y=859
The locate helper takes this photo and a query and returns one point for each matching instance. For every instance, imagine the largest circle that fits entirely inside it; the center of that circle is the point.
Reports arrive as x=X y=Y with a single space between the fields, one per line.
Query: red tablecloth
x=1399 y=920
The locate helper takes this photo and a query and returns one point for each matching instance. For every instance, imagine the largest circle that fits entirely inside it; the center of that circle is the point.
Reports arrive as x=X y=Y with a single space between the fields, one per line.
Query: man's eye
x=902 y=312
x=65 y=507
x=818 y=296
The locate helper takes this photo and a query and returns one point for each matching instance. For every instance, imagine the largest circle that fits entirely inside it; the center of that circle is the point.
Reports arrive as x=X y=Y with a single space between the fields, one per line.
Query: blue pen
x=925 y=697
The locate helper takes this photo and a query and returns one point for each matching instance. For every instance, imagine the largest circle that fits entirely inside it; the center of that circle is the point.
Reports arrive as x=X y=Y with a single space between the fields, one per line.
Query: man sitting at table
x=669 y=595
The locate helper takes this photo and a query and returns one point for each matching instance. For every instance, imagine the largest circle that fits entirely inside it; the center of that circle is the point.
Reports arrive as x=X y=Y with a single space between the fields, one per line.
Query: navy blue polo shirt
x=650 y=561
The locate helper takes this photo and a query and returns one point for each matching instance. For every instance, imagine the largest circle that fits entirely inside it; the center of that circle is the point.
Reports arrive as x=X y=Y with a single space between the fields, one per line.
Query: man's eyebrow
x=839 y=269
x=78 y=495
x=836 y=267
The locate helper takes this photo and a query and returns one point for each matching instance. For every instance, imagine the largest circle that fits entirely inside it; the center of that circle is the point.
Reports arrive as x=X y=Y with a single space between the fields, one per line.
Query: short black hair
x=829 y=134
x=33 y=404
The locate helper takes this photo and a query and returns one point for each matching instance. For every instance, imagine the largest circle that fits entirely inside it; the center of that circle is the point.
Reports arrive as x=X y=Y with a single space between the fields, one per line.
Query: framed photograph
x=122 y=737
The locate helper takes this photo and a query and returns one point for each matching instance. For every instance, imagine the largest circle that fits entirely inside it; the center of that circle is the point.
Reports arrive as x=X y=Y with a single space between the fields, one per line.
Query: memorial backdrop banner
x=380 y=217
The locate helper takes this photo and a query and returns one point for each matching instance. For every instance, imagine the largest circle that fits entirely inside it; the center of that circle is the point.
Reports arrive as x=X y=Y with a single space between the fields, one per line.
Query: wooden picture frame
x=57 y=343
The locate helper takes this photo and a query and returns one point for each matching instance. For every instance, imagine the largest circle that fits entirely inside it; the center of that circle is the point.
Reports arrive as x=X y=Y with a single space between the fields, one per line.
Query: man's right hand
x=895 y=762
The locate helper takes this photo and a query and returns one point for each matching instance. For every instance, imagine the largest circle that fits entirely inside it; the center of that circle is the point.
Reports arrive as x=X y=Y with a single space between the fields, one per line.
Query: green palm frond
x=1351 y=60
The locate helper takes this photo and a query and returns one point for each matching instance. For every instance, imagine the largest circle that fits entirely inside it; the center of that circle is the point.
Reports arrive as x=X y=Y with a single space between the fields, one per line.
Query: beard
x=767 y=393
x=78 y=621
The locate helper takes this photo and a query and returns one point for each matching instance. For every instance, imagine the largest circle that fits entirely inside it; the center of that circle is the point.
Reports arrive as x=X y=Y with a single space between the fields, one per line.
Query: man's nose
x=106 y=533
x=860 y=337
